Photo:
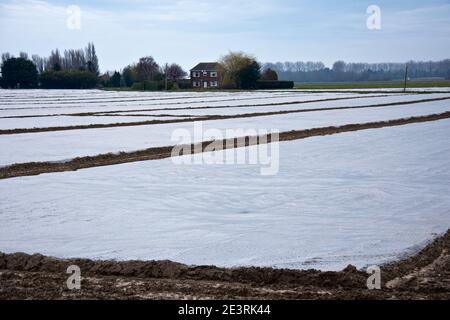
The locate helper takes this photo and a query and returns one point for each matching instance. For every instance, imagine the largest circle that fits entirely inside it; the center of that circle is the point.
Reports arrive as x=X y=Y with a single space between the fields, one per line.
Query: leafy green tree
x=56 y=66
x=159 y=76
x=115 y=80
x=249 y=76
x=70 y=79
x=128 y=76
x=19 y=72
x=239 y=71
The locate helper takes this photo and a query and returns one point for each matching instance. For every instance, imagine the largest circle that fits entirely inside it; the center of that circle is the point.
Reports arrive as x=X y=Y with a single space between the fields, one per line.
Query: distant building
x=205 y=75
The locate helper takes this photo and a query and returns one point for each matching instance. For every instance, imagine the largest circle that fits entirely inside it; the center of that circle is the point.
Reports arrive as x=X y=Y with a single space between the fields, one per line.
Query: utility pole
x=406 y=78
x=166 y=69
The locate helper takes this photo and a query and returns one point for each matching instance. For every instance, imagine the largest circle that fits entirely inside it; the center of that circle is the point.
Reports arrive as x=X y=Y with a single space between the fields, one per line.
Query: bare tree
x=289 y=66
x=146 y=68
x=23 y=55
x=74 y=59
x=39 y=62
x=175 y=72
x=300 y=66
x=6 y=56
x=339 y=66
x=91 y=59
x=54 y=61
x=269 y=74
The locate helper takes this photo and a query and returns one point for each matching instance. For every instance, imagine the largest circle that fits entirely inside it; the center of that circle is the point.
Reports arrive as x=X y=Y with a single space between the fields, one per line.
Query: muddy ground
x=425 y=275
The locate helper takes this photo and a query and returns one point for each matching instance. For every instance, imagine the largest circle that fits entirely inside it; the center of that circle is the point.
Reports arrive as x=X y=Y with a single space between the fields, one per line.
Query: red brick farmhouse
x=205 y=75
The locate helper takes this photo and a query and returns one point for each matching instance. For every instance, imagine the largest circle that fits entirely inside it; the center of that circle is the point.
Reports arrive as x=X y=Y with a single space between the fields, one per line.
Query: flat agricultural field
x=397 y=84
x=358 y=178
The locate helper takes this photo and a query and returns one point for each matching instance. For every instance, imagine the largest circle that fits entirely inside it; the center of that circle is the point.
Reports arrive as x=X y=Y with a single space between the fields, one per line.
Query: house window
x=196 y=84
x=213 y=84
x=205 y=73
x=196 y=74
x=213 y=74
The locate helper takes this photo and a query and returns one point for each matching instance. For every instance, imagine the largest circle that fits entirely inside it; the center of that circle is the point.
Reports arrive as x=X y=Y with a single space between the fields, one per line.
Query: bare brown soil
x=35 y=168
x=425 y=275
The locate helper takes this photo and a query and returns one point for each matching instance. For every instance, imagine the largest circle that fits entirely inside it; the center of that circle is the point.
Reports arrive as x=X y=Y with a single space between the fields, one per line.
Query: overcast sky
x=188 y=32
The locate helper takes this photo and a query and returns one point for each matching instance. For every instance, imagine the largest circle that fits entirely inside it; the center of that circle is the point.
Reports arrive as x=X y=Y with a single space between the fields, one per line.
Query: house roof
x=206 y=66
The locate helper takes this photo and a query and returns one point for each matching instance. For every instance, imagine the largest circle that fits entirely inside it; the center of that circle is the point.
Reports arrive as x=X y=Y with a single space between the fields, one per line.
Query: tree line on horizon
x=238 y=70
x=146 y=74
x=73 y=69
x=79 y=69
x=311 y=71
